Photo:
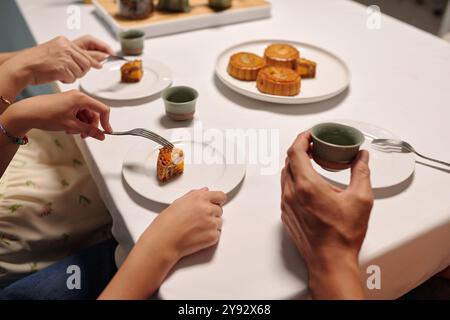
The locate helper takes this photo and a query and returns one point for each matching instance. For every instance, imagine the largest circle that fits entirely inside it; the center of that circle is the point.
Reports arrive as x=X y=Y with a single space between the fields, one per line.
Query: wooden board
x=200 y=16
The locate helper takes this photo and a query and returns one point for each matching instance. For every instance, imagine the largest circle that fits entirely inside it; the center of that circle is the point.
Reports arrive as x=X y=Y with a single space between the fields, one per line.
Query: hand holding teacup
x=327 y=223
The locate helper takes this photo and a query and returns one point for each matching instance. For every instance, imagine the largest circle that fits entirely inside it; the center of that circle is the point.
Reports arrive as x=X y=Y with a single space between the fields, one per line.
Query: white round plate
x=105 y=83
x=205 y=166
x=387 y=168
x=332 y=78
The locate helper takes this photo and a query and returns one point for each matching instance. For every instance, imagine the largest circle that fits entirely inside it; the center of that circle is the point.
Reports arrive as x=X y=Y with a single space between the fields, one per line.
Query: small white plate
x=332 y=78
x=105 y=83
x=205 y=166
x=387 y=168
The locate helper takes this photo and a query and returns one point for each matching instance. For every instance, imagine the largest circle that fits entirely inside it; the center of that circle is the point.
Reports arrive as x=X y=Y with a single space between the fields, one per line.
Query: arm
x=70 y=111
x=5 y=56
x=13 y=80
x=142 y=273
x=327 y=224
x=192 y=223
x=336 y=276
x=9 y=149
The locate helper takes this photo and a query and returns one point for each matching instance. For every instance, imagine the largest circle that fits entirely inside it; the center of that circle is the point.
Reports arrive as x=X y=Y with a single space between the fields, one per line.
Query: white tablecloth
x=401 y=81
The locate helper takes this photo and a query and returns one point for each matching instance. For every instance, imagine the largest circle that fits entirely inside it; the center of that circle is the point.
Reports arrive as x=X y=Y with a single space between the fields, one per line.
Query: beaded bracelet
x=17 y=140
x=5 y=101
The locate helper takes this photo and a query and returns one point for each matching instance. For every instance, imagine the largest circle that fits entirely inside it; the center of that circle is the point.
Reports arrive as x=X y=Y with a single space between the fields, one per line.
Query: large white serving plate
x=387 y=168
x=105 y=83
x=333 y=75
x=205 y=166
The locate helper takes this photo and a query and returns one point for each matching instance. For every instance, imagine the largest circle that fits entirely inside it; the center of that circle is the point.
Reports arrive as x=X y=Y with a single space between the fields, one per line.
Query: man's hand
x=327 y=224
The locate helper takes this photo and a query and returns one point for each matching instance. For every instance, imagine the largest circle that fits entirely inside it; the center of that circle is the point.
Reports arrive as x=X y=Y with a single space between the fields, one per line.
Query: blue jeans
x=95 y=267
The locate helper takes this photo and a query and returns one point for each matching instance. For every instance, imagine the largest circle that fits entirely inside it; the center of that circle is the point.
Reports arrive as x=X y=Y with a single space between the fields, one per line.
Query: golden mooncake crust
x=245 y=66
x=306 y=68
x=170 y=163
x=132 y=71
x=278 y=81
x=281 y=55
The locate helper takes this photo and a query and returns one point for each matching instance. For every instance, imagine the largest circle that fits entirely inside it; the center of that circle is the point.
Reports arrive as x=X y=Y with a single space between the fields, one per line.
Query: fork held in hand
x=386 y=143
x=145 y=134
x=115 y=57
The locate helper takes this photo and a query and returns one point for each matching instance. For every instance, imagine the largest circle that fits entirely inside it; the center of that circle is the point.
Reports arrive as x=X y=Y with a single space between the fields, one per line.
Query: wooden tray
x=200 y=16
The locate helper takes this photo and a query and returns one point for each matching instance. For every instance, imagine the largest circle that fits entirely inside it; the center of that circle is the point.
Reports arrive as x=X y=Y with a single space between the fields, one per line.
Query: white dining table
x=400 y=82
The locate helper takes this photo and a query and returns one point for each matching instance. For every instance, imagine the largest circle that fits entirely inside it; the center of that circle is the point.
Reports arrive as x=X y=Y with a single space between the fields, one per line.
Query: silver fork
x=115 y=57
x=145 y=134
x=393 y=143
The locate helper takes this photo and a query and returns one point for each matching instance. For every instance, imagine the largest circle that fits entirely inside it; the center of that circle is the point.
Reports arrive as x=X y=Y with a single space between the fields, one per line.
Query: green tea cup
x=220 y=4
x=335 y=145
x=132 y=42
x=180 y=102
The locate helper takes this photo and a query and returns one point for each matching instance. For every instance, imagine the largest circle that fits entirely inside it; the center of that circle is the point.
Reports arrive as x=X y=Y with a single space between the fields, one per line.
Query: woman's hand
x=71 y=111
x=327 y=224
x=190 y=224
x=58 y=59
x=94 y=47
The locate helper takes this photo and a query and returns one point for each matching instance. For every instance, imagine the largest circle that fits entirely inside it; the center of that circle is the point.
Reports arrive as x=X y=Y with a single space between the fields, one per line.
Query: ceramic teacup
x=335 y=145
x=180 y=102
x=132 y=42
x=220 y=4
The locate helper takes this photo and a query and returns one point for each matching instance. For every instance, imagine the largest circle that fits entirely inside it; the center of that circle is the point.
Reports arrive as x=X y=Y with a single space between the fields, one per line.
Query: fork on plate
x=399 y=145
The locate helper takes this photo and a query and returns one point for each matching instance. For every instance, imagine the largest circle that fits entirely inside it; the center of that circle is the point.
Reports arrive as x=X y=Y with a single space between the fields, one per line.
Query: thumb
x=97 y=55
x=360 y=174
